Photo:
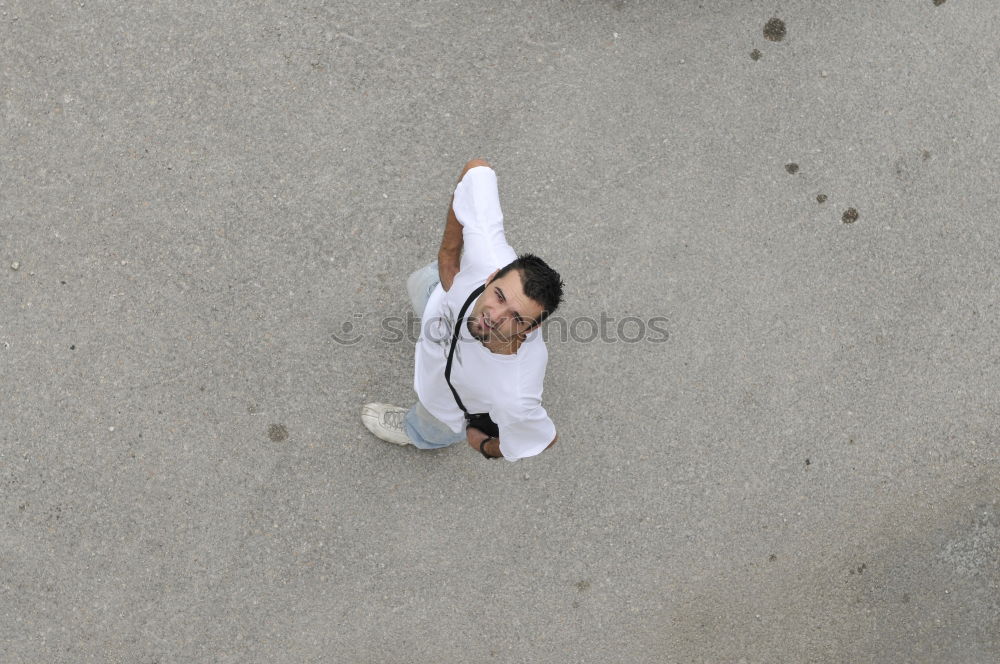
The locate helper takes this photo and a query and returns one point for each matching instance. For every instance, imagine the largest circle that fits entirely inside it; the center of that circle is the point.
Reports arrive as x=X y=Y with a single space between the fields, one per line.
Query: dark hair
x=540 y=283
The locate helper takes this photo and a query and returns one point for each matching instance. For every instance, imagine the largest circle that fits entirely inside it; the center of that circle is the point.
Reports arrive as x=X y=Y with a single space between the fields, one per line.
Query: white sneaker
x=386 y=422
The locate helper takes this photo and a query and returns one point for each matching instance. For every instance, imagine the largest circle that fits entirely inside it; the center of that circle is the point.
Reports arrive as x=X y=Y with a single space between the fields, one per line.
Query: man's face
x=503 y=311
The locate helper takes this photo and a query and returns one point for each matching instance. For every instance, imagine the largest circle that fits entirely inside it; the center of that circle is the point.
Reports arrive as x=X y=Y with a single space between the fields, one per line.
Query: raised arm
x=450 y=253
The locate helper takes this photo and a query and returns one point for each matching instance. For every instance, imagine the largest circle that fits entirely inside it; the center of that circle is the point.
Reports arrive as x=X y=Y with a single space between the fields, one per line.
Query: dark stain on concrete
x=821 y=198
x=850 y=216
x=792 y=168
x=938 y=3
x=900 y=168
x=582 y=585
x=277 y=433
x=926 y=154
x=774 y=30
x=771 y=558
x=755 y=54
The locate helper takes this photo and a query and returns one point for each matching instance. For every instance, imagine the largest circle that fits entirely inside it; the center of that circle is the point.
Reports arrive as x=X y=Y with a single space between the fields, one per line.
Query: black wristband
x=482 y=445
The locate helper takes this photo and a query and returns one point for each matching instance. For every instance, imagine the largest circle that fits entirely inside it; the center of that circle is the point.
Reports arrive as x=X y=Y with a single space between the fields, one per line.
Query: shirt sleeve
x=526 y=431
x=477 y=208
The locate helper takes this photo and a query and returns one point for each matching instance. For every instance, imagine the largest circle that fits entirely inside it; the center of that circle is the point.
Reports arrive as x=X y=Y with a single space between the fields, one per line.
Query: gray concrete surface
x=199 y=195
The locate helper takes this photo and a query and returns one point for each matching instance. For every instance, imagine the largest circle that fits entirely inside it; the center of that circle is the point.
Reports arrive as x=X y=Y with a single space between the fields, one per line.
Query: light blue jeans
x=426 y=431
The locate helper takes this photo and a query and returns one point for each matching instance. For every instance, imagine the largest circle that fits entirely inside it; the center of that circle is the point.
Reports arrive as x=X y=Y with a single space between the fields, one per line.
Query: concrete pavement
x=199 y=197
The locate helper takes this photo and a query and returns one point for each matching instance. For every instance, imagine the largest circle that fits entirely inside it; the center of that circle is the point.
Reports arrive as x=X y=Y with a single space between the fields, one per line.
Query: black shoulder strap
x=454 y=340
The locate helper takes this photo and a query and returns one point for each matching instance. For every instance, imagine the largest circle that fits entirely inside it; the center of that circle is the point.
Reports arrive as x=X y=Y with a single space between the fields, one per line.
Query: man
x=490 y=392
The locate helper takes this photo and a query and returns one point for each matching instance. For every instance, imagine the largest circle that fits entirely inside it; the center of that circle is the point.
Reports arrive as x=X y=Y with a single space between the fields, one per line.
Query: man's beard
x=476 y=335
x=489 y=336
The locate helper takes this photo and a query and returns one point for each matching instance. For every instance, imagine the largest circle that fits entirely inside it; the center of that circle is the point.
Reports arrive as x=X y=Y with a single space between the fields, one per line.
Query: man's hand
x=475 y=436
